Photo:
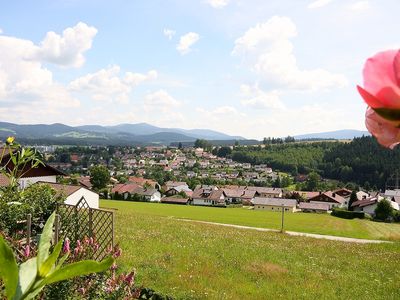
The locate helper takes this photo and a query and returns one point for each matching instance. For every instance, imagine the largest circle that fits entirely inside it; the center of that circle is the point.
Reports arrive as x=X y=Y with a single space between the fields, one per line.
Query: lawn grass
x=199 y=261
x=302 y=222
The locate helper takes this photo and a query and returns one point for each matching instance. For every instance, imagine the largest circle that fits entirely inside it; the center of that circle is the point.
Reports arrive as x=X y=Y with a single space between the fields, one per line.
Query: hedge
x=345 y=214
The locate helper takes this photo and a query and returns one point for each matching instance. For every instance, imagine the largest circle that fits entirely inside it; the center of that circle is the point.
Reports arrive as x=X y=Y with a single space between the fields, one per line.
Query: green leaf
x=27 y=276
x=13 y=159
x=45 y=241
x=33 y=292
x=81 y=268
x=8 y=269
x=61 y=261
x=49 y=263
x=388 y=113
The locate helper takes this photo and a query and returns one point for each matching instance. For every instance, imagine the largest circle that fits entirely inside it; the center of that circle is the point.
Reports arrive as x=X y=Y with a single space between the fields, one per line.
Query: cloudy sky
x=245 y=67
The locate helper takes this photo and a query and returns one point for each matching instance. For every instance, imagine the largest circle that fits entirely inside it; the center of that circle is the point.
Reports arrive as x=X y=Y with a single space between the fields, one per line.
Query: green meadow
x=200 y=261
x=302 y=222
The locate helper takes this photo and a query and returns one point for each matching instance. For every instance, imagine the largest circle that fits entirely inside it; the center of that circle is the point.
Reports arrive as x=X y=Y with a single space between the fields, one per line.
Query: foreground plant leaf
x=49 y=263
x=27 y=275
x=78 y=269
x=45 y=241
x=8 y=269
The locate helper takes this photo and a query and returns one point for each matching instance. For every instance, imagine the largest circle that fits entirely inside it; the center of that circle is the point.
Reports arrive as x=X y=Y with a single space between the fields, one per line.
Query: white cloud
x=1 y=31
x=319 y=3
x=268 y=47
x=359 y=6
x=169 y=33
x=25 y=83
x=161 y=101
x=108 y=85
x=219 y=112
x=186 y=41
x=259 y=99
x=67 y=49
x=218 y=3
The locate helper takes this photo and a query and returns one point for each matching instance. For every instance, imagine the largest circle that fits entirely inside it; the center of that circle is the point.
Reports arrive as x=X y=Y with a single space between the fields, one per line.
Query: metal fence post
x=283 y=216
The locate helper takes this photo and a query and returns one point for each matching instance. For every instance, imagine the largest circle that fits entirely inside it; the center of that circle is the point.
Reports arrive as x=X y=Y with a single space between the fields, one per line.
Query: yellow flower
x=10 y=140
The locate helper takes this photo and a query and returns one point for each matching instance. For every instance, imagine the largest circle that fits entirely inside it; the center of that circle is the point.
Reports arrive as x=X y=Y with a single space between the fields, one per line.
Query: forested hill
x=362 y=160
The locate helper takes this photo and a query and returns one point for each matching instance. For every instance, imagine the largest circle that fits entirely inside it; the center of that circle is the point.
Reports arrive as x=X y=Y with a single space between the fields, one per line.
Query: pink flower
x=381 y=92
x=117 y=253
x=66 y=247
x=27 y=251
x=382 y=80
x=387 y=134
x=129 y=278
x=114 y=266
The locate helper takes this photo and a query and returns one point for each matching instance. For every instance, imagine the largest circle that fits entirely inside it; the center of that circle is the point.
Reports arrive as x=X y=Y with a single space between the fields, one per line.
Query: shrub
x=345 y=214
x=384 y=210
x=396 y=216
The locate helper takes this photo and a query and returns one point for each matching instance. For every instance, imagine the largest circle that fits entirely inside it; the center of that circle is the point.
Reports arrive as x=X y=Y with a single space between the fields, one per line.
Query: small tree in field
x=383 y=210
x=99 y=177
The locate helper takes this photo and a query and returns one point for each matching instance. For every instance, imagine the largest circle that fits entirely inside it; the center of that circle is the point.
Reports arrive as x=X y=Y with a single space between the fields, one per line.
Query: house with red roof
x=333 y=199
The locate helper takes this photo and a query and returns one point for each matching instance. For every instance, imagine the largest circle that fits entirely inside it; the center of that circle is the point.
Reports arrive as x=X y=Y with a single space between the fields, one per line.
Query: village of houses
x=138 y=188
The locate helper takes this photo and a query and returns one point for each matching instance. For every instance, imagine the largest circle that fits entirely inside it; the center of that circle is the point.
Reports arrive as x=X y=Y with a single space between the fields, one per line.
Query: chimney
x=320 y=192
x=333 y=195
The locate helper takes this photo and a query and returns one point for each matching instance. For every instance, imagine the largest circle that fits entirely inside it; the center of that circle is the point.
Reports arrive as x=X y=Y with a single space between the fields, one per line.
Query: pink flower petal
x=387 y=134
x=371 y=100
x=396 y=67
x=380 y=79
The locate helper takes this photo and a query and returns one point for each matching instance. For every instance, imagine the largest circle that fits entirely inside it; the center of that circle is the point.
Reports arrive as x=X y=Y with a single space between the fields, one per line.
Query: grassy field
x=198 y=261
x=302 y=222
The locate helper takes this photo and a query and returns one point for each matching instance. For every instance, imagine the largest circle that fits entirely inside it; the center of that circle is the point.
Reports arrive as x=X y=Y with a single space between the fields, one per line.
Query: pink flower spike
x=78 y=243
x=114 y=267
x=27 y=251
x=129 y=278
x=66 y=248
x=117 y=253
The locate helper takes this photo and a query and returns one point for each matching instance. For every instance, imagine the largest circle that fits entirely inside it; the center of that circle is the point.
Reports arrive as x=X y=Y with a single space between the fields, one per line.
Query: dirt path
x=294 y=233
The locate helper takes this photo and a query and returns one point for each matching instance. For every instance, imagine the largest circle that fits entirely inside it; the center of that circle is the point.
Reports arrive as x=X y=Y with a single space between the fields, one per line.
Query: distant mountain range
x=338 y=135
x=122 y=134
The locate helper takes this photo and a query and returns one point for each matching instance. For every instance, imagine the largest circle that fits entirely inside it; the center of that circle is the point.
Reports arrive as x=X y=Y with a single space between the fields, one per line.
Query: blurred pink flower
x=129 y=278
x=382 y=80
x=386 y=132
x=27 y=251
x=381 y=92
x=66 y=247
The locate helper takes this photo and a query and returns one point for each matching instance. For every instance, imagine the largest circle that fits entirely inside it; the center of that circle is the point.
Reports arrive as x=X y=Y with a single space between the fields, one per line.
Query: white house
x=275 y=204
x=209 y=197
x=369 y=205
x=150 y=194
x=74 y=193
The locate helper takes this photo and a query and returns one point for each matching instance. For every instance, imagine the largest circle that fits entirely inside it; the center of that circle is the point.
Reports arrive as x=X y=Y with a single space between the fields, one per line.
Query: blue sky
x=245 y=67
